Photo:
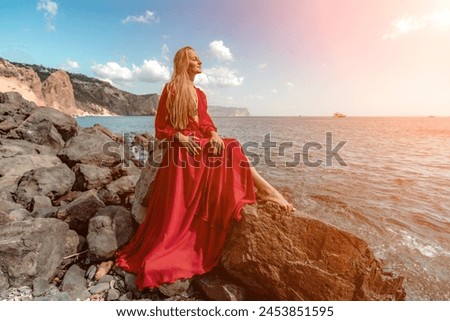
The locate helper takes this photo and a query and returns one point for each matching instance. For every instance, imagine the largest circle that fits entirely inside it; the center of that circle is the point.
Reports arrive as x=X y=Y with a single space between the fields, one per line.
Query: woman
x=200 y=187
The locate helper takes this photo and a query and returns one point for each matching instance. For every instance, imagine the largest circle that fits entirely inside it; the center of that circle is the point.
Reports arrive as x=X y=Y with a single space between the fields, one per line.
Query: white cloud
x=165 y=52
x=290 y=84
x=151 y=71
x=438 y=21
x=50 y=9
x=112 y=71
x=147 y=18
x=274 y=90
x=70 y=64
x=219 y=51
x=219 y=77
x=262 y=66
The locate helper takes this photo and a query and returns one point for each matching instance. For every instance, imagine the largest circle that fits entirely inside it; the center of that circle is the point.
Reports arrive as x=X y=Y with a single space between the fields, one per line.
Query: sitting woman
x=200 y=187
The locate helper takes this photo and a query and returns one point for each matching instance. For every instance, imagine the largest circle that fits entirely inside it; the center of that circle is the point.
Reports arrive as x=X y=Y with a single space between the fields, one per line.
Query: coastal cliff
x=80 y=95
x=71 y=196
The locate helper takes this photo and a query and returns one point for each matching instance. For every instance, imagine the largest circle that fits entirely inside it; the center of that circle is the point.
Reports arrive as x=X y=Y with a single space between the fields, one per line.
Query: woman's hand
x=217 y=144
x=188 y=142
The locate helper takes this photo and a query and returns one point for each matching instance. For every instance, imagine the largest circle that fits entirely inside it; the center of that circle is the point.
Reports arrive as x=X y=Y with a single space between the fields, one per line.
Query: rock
x=218 y=289
x=58 y=92
x=90 y=273
x=108 y=197
x=39 y=131
x=40 y=286
x=8 y=206
x=8 y=186
x=124 y=185
x=91 y=147
x=74 y=283
x=179 y=287
x=103 y=269
x=91 y=177
x=5 y=218
x=110 y=229
x=112 y=295
x=31 y=249
x=292 y=257
x=143 y=184
x=99 y=288
x=51 y=182
x=78 y=213
x=20 y=214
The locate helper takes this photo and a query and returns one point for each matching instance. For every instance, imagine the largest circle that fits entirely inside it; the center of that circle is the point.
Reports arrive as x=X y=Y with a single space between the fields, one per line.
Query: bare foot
x=274 y=196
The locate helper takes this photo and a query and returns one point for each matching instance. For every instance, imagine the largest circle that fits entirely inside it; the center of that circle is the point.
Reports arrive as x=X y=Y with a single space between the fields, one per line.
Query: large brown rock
x=293 y=257
x=58 y=92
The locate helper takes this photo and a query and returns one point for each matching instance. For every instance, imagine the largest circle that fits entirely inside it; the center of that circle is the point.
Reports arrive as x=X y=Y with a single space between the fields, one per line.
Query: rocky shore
x=71 y=196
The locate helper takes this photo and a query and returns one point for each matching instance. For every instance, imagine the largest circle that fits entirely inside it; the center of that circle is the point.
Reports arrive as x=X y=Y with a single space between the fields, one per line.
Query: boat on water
x=339 y=115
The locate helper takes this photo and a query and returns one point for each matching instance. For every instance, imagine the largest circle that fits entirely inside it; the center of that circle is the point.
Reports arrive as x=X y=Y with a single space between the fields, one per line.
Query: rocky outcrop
x=220 y=111
x=58 y=92
x=66 y=209
x=294 y=257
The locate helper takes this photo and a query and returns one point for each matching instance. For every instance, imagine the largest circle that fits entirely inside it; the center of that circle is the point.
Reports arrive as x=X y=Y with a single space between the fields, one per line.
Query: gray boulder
x=110 y=229
x=52 y=182
x=32 y=249
x=91 y=147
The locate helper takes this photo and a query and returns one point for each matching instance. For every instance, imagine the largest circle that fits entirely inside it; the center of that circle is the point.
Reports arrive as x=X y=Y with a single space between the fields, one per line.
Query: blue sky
x=275 y=57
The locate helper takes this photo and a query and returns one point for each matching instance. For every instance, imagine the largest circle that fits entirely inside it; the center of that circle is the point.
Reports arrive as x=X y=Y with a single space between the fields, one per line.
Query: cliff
x=80 y=95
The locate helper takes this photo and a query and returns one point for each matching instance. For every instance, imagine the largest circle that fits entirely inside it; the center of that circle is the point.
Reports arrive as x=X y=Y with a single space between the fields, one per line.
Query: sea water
x=386 y=180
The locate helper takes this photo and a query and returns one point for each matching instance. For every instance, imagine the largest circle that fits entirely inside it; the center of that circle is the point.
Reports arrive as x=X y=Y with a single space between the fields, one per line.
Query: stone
x=91 y=177
x=110 y=229
x=78 y=213
x=99 y=288
x=176 y=288
x=112 y=295
x=74 y=283
x=294 y=257
x=52 y=182
x=91 y=147
x=31 y=249
x=103 y=269
x=219 y=289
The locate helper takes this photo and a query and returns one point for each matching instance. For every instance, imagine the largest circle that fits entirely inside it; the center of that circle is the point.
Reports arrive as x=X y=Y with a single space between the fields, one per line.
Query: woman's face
x=194 y=63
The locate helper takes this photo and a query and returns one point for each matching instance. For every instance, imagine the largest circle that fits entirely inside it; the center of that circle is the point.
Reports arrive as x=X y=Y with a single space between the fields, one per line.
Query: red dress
x=193 y=203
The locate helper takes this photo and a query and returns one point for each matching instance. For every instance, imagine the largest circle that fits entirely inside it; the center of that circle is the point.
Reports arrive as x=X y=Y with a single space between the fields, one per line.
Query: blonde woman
x=200 y=187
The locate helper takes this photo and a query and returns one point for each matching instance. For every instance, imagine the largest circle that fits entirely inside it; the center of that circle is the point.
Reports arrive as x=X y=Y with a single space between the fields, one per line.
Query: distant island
x=80 y=95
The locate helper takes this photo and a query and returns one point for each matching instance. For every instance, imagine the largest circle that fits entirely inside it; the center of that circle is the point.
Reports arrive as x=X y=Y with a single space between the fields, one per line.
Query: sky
x=275 y=57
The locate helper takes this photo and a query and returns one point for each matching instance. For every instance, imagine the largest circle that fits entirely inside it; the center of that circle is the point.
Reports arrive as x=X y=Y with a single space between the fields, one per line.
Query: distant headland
x=80 y=95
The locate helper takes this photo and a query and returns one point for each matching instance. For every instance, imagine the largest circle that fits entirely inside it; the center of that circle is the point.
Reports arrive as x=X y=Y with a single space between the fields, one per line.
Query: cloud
x=219 y=51
x=290 y=84
x=70 y=64
x=147 y=18
x=151 y=71
x=262 y=66
x=50 y=9
x=219 y=77
x=112 y=71
x=165 y=52
x=438 y=21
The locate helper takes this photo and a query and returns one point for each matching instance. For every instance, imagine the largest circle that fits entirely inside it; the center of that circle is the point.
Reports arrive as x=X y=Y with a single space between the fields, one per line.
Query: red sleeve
x=163 y=127
x=206 y=123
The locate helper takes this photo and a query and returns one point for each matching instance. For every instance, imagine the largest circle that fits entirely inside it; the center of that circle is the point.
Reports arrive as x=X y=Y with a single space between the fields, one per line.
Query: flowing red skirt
x=193 y=203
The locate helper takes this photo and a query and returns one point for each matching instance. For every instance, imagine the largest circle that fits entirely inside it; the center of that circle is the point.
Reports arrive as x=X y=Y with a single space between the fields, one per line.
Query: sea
x=384 y=179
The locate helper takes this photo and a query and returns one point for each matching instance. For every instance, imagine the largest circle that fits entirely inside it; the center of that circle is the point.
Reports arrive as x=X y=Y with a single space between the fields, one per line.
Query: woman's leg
x=267 y=192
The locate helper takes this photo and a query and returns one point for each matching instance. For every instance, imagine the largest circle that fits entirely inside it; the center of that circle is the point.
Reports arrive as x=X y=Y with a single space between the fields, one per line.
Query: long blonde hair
x=180 y=103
